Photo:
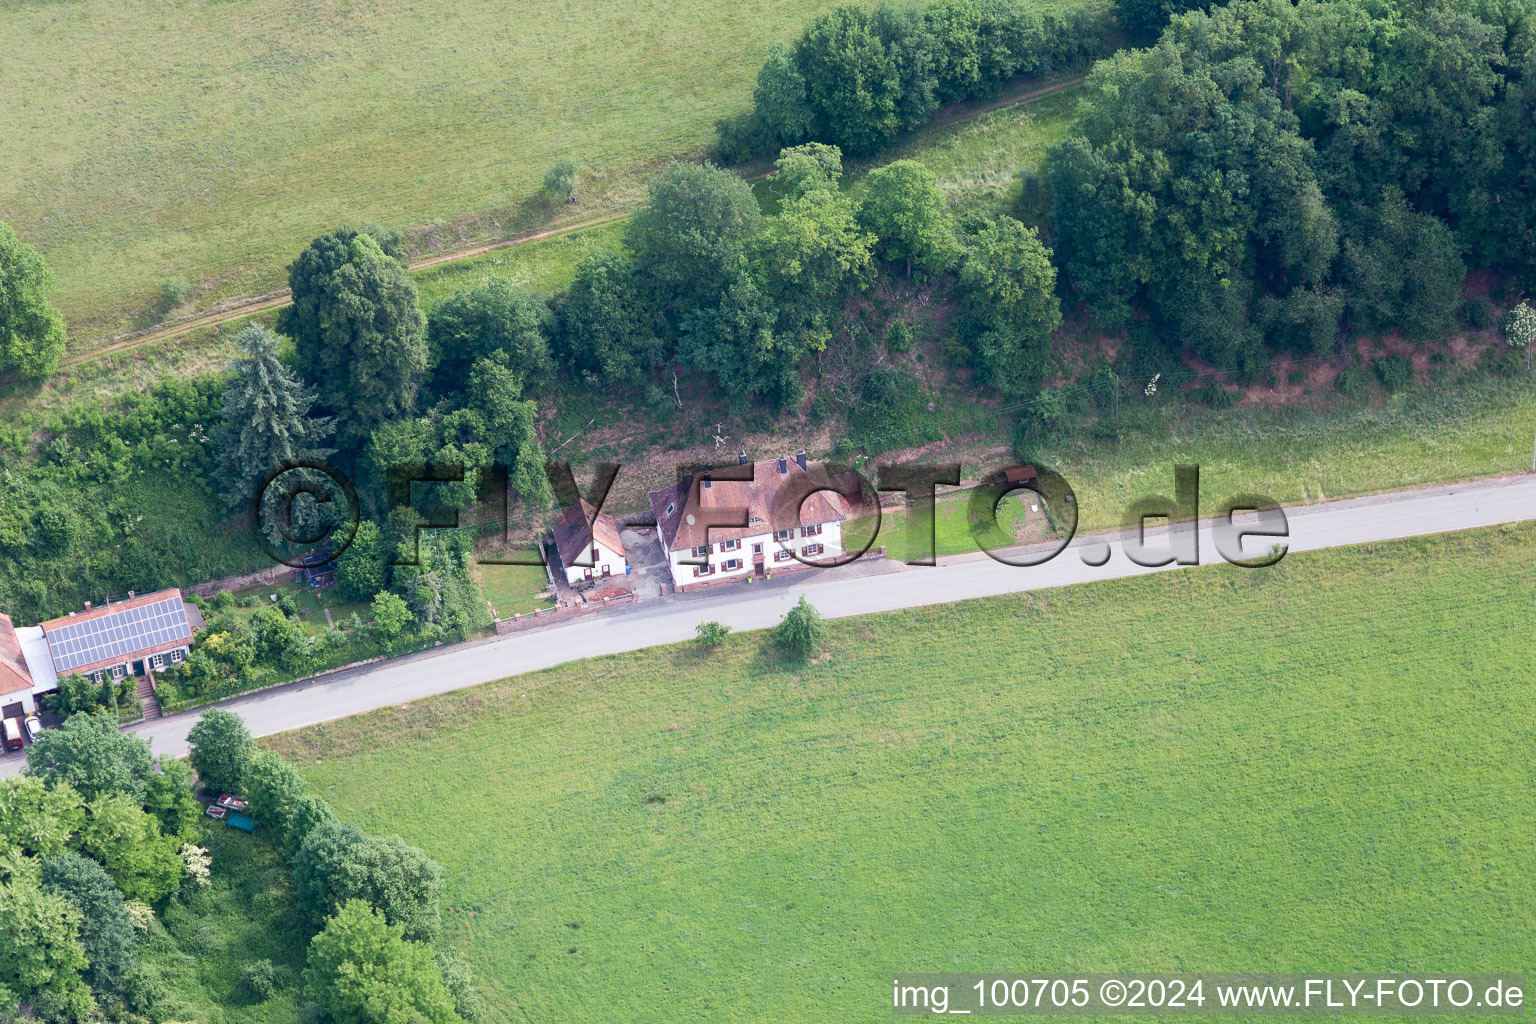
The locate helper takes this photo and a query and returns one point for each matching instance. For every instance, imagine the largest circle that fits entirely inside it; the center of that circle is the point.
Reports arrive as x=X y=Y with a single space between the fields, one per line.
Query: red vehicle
x=12 y=732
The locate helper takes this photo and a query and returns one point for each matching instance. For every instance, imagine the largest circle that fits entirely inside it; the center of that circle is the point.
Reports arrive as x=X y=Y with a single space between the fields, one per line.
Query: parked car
x=12 y=733
x=34 y=727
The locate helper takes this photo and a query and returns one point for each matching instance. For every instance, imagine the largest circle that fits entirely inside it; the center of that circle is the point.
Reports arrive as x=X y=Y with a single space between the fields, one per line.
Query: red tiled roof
x=14 y=674
x=573 y=537
x=766 y=497
x=123 y=632
x=111 y=609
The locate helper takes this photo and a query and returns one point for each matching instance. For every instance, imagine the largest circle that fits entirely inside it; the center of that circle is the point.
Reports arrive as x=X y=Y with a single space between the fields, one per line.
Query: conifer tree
x=267 y=424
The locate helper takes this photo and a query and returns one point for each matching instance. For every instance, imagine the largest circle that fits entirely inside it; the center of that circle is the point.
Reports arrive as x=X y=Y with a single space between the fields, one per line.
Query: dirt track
x=240 y=308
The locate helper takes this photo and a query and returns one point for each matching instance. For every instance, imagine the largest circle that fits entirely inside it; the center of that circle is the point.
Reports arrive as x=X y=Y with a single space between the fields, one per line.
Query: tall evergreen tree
x=267 y=423
x=359 y=330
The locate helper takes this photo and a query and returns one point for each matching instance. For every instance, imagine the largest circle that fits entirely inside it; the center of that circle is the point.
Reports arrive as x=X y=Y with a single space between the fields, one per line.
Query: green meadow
x=1324 y=766
x=211 y=140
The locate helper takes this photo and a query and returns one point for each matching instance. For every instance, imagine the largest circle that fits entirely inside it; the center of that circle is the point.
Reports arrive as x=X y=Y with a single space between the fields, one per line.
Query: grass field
x=952 y=530
x=213 y=140
x=977 y=160
x=1320 y=767
x=514 y=588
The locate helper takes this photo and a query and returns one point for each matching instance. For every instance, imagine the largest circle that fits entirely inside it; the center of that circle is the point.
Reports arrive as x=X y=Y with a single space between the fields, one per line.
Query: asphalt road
x=1332 y=524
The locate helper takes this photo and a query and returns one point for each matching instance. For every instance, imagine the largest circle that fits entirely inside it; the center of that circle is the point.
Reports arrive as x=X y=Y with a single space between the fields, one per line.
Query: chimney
x=87 y=606
x=708 y=483
x=130 y=595
x=800 y=457
x=783 y=465
x=741 y=457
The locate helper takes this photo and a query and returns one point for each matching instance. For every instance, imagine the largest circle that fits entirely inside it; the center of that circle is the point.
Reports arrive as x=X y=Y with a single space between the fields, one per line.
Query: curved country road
x=1334 y=524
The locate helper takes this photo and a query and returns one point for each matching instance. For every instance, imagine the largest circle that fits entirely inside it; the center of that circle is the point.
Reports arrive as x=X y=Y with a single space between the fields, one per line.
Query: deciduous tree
x=38 y=818
x=604 y=325
x=691 y=234
x=31 y=329
x=391 y=615
x=168 y=796
x=802 y=631
x=358 y=330
x=337 y=863
x=127 y=842
x=221 y=750
x=904 y=208
x=494 y=317
x=106 y=934
x=41 y=959
x=93 y=756
x=363 y=569
x=1008 y=297
x=363 y=971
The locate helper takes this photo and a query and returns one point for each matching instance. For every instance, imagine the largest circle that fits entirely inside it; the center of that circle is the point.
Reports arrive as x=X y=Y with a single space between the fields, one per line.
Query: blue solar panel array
x=117 y=635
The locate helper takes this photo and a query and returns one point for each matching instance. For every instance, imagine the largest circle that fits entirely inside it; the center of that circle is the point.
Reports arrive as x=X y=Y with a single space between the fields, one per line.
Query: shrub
x=359 y=966
x=1351 y=381
x=173 y=292
x=1477 y=313
x=898 y=336
x=1214 y=396
x=144 y=990
x=1296 y=377
x=712 y=634
x=258 y=979
x=1394 y=372
x=802 y=631
x=1520 y=326
x=743 y=138
x=460 y=985
x=560 y=180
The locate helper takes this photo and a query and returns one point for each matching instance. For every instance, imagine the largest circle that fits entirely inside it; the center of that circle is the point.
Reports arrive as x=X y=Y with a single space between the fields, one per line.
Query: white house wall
x=830 y=538
x=574 y=574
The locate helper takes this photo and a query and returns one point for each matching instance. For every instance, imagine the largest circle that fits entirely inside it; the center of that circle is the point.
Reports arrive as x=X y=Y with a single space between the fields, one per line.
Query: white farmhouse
x=776 y=531
x=598 y=545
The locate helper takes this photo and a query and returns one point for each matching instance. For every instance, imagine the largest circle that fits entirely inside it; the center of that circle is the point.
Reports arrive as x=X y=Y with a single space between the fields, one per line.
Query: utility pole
x=1117 y=414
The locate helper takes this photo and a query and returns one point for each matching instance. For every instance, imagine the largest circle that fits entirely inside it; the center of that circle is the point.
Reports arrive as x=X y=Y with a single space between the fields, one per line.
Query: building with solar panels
x=134 y=637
